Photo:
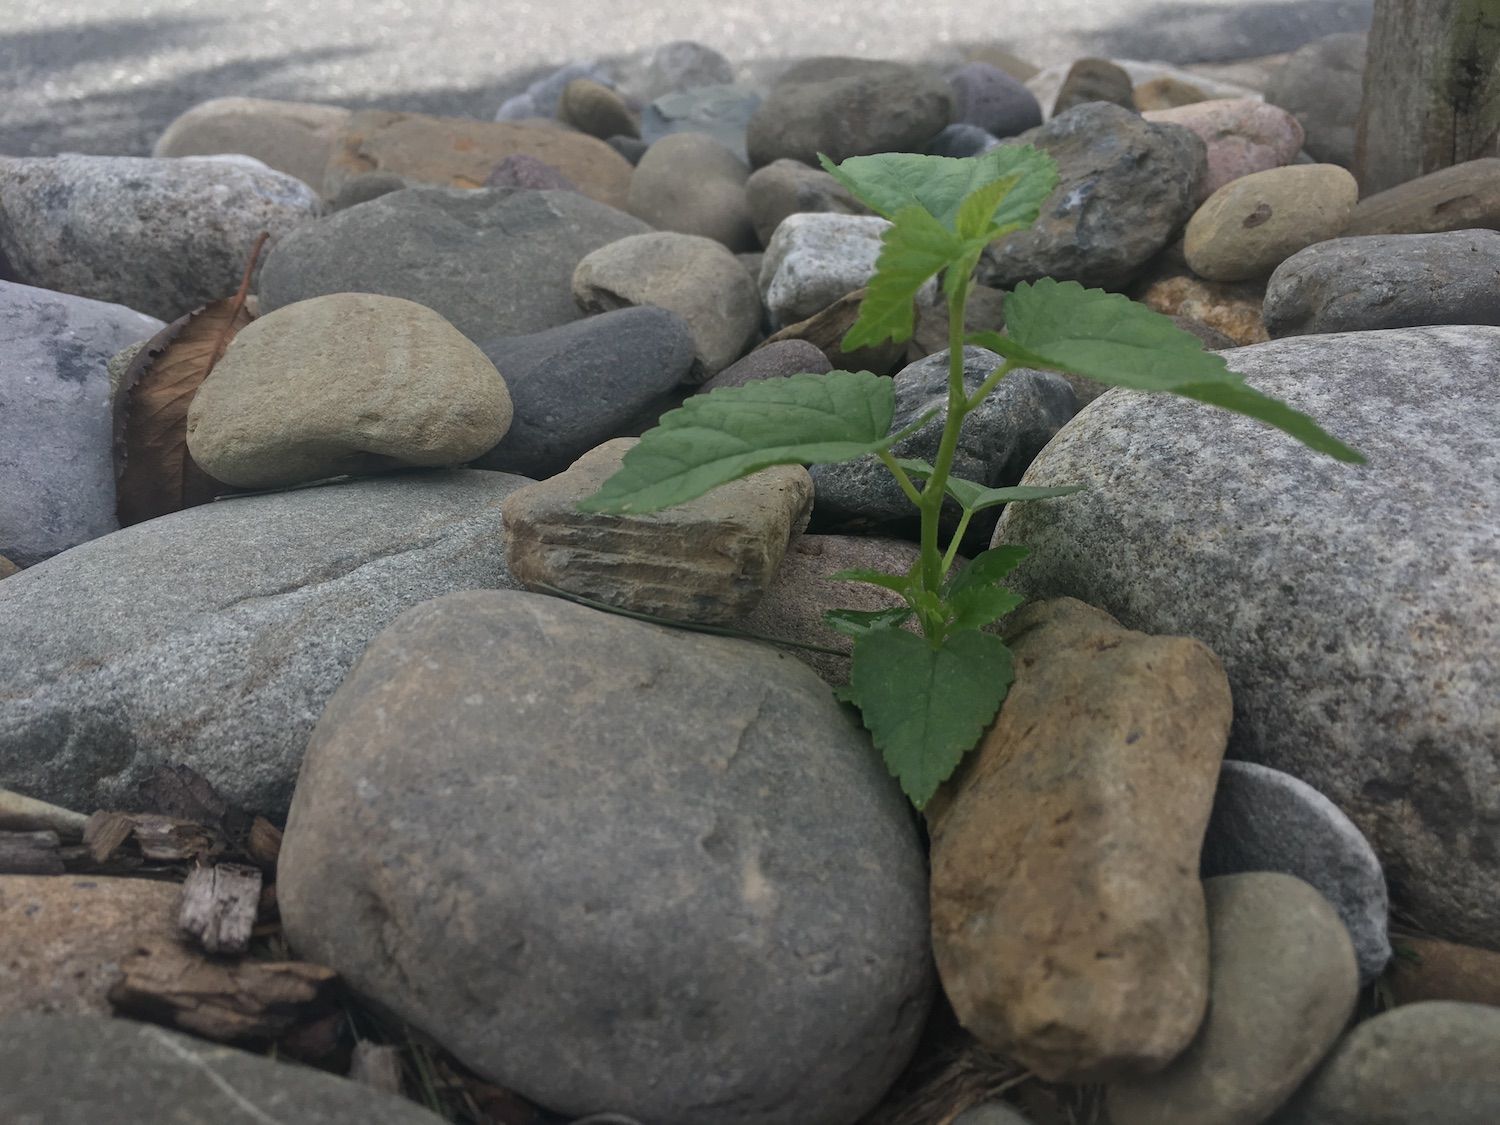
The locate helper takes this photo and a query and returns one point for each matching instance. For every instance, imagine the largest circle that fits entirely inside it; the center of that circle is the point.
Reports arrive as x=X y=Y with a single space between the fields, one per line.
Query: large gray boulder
x=212 y=637
x=57 y=476
x=1356 y=609
x=613 y=866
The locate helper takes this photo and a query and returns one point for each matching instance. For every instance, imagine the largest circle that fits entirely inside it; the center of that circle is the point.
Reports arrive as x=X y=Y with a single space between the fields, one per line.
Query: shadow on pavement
x=1187 y=32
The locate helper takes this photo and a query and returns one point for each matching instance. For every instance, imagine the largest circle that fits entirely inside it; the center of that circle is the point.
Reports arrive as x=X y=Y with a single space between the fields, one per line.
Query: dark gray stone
x=494 y=262
x=1356 y=610
x=1322 y=86
x=961 y=141
x=1126 y=188
x=1266 y=820
x=1094 y=80
x=57 y=476
x=723 y=112
x=211 y=638
x=848 y=107
x=773 y=361
x=652 y=872
x=990 y=1113
x=631 y=148
x=161 y=236
x=986 y=96
x=998 y=441
x=85 y=1070
x=577 y=385
x=1418 y=1064
x=1386 y=281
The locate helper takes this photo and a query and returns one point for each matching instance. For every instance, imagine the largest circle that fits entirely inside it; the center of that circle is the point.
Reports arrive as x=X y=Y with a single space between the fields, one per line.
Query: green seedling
x=927 y=696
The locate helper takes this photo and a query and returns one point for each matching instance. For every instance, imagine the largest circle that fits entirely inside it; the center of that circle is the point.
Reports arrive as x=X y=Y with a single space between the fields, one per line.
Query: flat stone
x=1414 y=1065
x=1243 y=135
x=1322 y=85
x=1251 y=225
x=1363 y=661
x=56 y=434
x=709 y=560
x=593 y=108
x=1266 y=820
x=773 y=360
x=814 y=259
x=580 y=384
x=212 y=637
x=82 y=1070
x=493 y=263
x=1231 y=307
x=1166 y=92
x=1126 y=187
x=722 y=112
x=1387 y=281
x=1068 y=921
x=1094 y=80
x=789 y=187
x=1047 y=82
x=988 y=97
x=697 y=278
x=655 y=872
x=1463 y=197
x=1428 y=969
x=692 y=184
x=65 y=937
x=291 y=137
x=1282 y=988
x=163 y=237
x=458 y=152
x=348 y=383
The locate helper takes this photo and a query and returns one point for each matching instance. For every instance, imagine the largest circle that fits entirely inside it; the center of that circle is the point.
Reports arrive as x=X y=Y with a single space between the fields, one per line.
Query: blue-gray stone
x=723 y=112
x=541 y=98
x=986 y=96
x=961 y=141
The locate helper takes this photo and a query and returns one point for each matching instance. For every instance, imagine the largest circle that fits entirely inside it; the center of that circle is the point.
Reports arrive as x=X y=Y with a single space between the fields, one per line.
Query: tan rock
x=292 y=137
x=459 y=152
x=595 y=109
x=1166 y=92
x=1463 y=197
x=690 y=183
x=1428 y=969
x=7 y=568
x=1251 y=225
x=66 y=936
x=1231 y=307
x=825 y=331
x=710 y=560
x=1068 y=921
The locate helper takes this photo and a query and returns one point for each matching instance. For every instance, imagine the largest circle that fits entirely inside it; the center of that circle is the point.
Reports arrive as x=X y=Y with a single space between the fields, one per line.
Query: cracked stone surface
x=212 y=637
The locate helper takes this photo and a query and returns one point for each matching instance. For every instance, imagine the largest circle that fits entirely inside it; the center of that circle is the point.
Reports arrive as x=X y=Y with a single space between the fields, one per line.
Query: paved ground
x=105 y=76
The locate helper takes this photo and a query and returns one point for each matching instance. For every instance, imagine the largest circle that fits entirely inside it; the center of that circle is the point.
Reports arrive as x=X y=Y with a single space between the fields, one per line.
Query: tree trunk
x=1432 y=90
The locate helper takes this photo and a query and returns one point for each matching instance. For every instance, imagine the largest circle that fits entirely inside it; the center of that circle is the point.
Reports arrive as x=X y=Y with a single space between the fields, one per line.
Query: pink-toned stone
x=1243 y=135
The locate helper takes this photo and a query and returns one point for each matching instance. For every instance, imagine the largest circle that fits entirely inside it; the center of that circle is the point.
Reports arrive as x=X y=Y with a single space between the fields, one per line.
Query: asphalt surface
x=106 y=76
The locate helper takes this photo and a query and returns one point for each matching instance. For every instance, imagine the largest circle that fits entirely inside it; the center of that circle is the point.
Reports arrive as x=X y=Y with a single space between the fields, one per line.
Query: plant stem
x=931 y=505
x=958 y=536
x=889 y=461
x=992 y=380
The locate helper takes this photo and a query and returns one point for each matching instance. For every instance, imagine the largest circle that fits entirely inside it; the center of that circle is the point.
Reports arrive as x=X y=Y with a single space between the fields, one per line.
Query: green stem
x=931 y=505
x=958 y=536
x=889 y=461
x=992 y=380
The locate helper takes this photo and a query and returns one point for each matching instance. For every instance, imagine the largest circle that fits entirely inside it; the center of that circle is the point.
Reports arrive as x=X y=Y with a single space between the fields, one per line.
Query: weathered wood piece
x=377 y=1065
x=26 y=814
x=105 y=833
x=224 y=1002
x=31 y=853
x=219 y=906
x=1432 y=90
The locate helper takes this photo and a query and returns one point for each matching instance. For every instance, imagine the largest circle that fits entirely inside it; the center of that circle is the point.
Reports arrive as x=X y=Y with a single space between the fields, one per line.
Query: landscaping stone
x=960 y=141
x=672 y=68
x=542 y=97
x=986 y=96
x=990 y=1113
x=847 y=107
x=1094 y=80
x=1266 y=820
x=789 y=187
x=593 y=108
x=696 y=278
x=56 y=434
x=521 y=171
x=771 y=361
x=1068 y=921
x=814 y=259
x=347 y=383
x=1243 y=135
x=81 y=1070
x=1250 y=226
x=1322 y=85
x=631 y=148
x=1463 y=197
x=459 y=152
x=163 y=237
x=580 y=384
x=291 y=137
x=1428 y=969
x=1045 y=83
x=1166 y=92
x=826 y=331
x=1387 y=281
x=1363 y=626
x=492 y=263
x=1231 y=307
x=722 y=112
x=211 y=638
x=1282 y=988
x=1126 y=188
x=678 y=886
x=7 y=568
x=1415 y=1065
x=692 y=184
x=709 y=560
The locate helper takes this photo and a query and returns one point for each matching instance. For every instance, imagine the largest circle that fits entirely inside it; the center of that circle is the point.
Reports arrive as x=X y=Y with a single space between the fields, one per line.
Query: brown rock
x=773 y=361
x=595 y=109
x=789 y=187
x=459 y=152
x=710 y=560
x=1463 y=197
x=1252 y=224
x=1094 y=80
x=1068 y=922
x=1166 y=92
x=1230 y=307
x=826 y=330
x=7 y=568
x=292 y=137
x=690 y=183
x=1428 y=969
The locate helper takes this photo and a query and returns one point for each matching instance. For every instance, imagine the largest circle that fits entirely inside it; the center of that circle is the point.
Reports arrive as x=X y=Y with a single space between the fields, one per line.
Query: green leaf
x=857 y=622
x=1108 y=337
x=890 y=182
x=976 y=497
x=726 y=434
x=916 y=247
x=977 y=209
x=927 y=707
x=897 y=582
x=975 y=606
x=985 y=568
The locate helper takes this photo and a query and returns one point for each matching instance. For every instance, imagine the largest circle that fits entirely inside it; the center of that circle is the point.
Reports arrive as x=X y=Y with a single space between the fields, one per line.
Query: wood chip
x=222 y=1001
x=264 y=843
x=377 y=1065
x=219 y=905
x=26 y=814
x=31 y=853
x=105 y=833
x=169 y=838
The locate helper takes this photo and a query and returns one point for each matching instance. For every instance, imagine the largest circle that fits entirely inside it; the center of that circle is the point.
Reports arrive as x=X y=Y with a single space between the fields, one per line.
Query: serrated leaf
x=927 y=707
x=975 y=606
x=726 y=434
x=897 y=582
x=986 y=568
x=1108 y=337
x=890 y=182
x=857 y=622
x=978 y=207
x=914 y=247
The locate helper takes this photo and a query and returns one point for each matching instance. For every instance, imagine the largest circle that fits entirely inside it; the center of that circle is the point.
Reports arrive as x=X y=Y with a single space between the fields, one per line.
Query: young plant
x=926 y=698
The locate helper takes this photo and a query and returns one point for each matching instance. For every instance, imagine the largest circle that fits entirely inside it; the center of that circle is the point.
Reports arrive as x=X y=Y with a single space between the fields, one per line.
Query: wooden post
x=1432 y=90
